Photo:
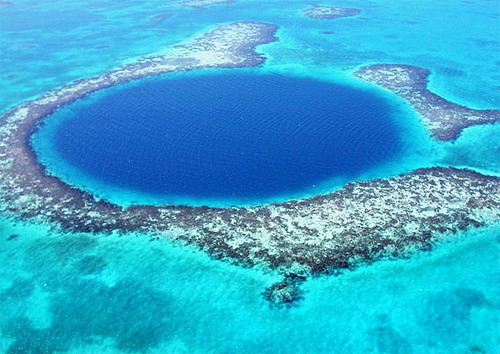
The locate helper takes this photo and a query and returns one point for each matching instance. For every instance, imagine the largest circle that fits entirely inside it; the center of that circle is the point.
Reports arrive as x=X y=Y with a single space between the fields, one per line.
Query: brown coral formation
x=444 y=119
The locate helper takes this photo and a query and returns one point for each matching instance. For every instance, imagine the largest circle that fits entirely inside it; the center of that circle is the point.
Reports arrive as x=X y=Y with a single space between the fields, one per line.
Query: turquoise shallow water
x=88 y=294
x=97 y=293
x=67 y=41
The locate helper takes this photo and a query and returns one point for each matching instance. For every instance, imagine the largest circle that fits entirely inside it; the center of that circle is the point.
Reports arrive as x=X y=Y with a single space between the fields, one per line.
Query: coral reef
x=445 y=120
x=360 y=222
x=198 y=4
x=286 y=292
x=329 y=13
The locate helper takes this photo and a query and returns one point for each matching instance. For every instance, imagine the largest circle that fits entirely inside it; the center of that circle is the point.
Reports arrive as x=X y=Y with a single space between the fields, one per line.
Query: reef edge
x=361 y=222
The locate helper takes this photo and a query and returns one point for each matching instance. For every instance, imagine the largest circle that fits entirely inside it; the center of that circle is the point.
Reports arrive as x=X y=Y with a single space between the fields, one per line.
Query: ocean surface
x=93 y=293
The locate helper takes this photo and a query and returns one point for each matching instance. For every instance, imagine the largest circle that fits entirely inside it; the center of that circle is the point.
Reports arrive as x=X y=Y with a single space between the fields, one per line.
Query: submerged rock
x=12 y=237
x=286 y=292
x=160 y=18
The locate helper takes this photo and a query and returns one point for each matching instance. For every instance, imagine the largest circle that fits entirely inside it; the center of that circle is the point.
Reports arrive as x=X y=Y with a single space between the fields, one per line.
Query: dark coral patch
x=286 y=292
x=160 y=18
x=91 y=265
x=135 y=317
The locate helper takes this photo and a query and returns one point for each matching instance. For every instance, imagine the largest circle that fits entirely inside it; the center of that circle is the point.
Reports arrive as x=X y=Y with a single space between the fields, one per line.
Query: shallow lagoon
x=107 y=294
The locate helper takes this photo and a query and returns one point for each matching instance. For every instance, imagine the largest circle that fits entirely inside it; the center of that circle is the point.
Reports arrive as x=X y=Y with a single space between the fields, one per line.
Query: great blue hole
x=226 y=136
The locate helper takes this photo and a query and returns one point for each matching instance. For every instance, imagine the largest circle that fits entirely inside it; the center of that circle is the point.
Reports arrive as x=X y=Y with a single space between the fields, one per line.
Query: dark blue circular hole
x=229 y=135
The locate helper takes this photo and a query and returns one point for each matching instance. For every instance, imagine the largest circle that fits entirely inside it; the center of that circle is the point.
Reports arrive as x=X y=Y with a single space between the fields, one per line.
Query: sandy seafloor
x=104 y=293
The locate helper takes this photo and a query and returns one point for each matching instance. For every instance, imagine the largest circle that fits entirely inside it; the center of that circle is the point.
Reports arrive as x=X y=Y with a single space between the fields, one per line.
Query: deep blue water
x=230 y=135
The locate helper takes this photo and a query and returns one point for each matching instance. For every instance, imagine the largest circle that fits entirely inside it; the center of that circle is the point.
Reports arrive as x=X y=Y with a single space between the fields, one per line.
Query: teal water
x=464 y=56
x=84 y=293
x=97 y=293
